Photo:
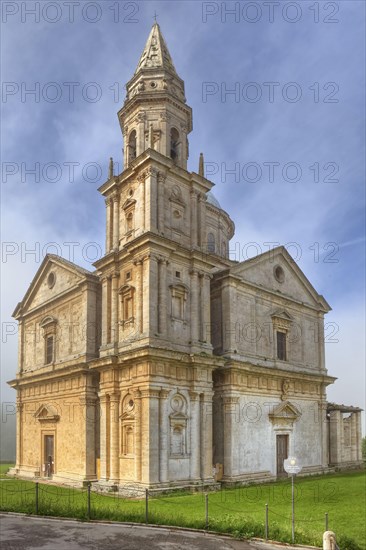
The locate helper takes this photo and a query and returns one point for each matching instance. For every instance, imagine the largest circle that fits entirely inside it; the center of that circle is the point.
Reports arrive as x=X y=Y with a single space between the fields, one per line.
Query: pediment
x=130 y=203
x=282 y=314
x=176 y=196
x=55 y=277
x=127 y=415
x=285 y=413
x=277 y=271
x=47 y=413
x=178 y=415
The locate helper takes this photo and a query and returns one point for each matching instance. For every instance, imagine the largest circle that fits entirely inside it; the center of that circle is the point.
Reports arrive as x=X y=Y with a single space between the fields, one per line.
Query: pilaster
x=115 y=200
x=195 y=310
x=164 y=431
x=114 y=437
x=161 y=200
x=195 y=436
x=114 y=308
x=108 y=242
x=104 y=436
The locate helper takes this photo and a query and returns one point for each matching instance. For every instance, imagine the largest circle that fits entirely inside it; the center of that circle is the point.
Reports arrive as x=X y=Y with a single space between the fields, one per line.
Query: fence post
x=266 y=524
x=37 y=498
x=147 y=505
x=326 y=521
x=206 y=509
x=88 y=500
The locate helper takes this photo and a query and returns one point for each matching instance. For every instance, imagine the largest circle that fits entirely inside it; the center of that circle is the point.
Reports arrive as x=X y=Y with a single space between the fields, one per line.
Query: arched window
x=211 y=243
x=49 y=334
x=129 y=222
x=132 y=146
x=174 y=144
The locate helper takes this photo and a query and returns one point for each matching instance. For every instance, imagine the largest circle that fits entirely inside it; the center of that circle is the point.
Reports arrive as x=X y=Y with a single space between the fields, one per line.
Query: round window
x=51 y=279
x=153 y=84
x=279 y=273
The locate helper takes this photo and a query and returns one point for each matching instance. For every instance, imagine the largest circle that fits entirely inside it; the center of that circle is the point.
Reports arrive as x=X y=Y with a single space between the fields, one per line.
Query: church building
x=170 y=364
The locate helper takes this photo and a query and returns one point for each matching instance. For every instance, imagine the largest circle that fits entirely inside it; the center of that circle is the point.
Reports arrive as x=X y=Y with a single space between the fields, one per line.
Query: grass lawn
x=239 y=511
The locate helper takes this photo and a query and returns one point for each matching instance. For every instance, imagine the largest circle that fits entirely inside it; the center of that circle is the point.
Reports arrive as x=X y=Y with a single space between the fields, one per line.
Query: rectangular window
x=49 y=349
x=281 y=346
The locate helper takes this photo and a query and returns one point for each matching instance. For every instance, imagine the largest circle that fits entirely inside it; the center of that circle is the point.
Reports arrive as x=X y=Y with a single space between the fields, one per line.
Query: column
x=202 y=222
x=161 y=202
x=353 y=434
x=162 y=297
x=359 y=435
x=206 y=308
x=230 y=418
x=115 y=222
x=152 y=297
x=195 y=436
x=142 y=186
x=164 y=436
x=114 y=437
x=138 y=434
x=88 y=403
x=184 y=146
x=108 y=242
x=92 y=332
x=320 y=340
x=164 y=143
x=104 y=436
x=335 y=436
x=114 y=308
x=194 y=306
x=193 y=219
x=206 y=436
x=144 y=431
x=19 y=435
x=154 y=435
x=151 y=199
x=104 y=311
x=140 y=138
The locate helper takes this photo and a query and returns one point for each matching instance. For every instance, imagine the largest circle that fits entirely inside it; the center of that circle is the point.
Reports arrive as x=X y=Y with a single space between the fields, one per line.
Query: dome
x=211 y=199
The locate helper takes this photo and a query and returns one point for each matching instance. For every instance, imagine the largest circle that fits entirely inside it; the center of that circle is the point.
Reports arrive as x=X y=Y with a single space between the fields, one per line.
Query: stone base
x=26 y=472
x=246 y=479
x=138 y=490
x=354 y=465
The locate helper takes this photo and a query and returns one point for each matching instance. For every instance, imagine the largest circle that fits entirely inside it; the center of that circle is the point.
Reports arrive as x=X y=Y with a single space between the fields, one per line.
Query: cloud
x=324 y=139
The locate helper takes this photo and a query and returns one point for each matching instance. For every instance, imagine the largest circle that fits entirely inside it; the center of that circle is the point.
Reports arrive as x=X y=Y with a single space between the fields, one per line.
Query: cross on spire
x=155 y=16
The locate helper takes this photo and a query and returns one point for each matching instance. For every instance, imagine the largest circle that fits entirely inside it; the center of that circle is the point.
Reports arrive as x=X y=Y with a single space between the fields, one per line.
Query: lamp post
x=292 y=466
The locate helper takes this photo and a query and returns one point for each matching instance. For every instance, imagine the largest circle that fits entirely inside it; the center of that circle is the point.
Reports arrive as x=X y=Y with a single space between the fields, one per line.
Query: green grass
x=4 y=467
x=239 y=512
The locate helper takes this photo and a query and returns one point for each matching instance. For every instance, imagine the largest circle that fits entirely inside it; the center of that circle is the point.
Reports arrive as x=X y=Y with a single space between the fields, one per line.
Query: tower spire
x=156 y=53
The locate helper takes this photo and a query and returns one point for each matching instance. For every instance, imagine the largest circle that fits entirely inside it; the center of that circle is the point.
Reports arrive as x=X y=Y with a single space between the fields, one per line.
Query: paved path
x=23 y=533
x=20 y=532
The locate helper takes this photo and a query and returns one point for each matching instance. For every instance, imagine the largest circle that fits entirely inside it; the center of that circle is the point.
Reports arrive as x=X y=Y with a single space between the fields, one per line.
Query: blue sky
x=321 y=136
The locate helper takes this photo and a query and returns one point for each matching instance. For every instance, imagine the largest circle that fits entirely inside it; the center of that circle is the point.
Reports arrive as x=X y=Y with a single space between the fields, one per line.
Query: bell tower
x=155 y=114
x=165 y=236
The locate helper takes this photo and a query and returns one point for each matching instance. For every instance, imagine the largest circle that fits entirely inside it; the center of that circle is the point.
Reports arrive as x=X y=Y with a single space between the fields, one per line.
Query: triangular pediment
x=282 y=314
x=276 y=271
x=55 y=277
x=285 y=411
x=47 y=413
x=178 y=415
x=130 y=203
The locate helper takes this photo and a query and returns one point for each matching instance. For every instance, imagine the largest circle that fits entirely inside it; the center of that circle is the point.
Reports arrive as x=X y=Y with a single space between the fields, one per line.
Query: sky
x=278 y=97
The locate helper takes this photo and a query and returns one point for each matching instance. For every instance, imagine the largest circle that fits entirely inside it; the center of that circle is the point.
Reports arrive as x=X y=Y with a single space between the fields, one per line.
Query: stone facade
x=170 y=364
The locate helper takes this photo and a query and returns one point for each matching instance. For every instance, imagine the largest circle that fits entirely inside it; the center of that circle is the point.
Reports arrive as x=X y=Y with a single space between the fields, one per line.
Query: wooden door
x=282 y=453
x=49 y=454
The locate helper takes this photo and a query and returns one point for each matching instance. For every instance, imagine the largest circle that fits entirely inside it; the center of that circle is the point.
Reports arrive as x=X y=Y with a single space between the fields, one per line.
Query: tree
x=364 y=450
